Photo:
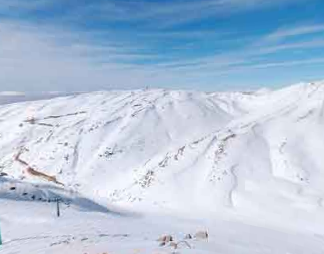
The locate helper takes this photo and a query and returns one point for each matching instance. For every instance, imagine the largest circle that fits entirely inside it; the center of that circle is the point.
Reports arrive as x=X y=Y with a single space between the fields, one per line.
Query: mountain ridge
x=174 y=149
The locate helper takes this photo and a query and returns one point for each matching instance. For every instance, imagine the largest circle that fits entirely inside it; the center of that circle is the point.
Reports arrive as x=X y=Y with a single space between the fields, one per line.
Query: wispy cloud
x=285 y=33
x=256 y=54
x=37 y=60
x=138 y=43
x=166 y=14
x=66 y=60
x=314 y=43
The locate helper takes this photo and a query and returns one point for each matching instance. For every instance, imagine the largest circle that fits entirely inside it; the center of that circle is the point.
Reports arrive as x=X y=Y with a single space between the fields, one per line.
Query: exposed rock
x=173 y=245
x=162 y=244
x=165 y=239
x=188 y=236
x=201 y=235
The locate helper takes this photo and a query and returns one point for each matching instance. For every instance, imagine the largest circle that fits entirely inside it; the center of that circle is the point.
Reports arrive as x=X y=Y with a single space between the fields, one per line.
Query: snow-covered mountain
x=8 y=97
x=253 y=154
x=127 y=146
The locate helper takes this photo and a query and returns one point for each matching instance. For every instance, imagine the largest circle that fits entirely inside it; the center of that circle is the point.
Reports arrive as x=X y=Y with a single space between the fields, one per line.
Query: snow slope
x=267 y=159
x=35 y=229
x=102 y=137
x=249 y=163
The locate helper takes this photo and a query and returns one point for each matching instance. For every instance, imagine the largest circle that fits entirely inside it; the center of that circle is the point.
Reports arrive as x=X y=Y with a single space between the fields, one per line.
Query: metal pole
x=58 y=207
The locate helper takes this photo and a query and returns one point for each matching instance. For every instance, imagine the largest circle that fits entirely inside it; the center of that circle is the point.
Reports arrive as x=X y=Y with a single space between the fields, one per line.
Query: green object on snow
x=0 y=237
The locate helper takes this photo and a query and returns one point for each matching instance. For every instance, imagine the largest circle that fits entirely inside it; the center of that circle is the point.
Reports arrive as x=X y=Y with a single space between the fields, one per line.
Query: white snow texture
x=246 y=166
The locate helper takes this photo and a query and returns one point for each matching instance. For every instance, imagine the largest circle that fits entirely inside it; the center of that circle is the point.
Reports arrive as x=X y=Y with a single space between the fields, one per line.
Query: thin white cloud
x=288 y=63
x=54 y=59
x=295 y=31
x=255 y=55
x=35 y=57
x=168 y=14
x=314 y=43
x=31 y=59
x=20 y=6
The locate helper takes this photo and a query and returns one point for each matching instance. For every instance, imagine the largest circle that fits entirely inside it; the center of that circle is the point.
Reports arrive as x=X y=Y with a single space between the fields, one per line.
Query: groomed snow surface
x=132 y=166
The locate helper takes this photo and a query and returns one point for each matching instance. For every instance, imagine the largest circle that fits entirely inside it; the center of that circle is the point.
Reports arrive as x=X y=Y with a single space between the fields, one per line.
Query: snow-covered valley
x=130 y=166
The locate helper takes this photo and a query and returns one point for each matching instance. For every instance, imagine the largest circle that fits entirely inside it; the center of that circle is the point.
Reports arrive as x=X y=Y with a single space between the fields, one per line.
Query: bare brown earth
x=31 y=171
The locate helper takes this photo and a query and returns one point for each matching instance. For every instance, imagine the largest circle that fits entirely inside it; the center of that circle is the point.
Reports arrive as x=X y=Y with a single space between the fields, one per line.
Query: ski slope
x=246 y=166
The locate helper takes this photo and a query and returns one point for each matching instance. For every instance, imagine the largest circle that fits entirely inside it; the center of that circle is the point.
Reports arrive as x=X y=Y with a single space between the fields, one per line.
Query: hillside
x=235 y=156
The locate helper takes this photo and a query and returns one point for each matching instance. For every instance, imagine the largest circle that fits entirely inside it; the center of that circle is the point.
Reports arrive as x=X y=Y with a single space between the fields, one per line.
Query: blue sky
x=81 y=45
